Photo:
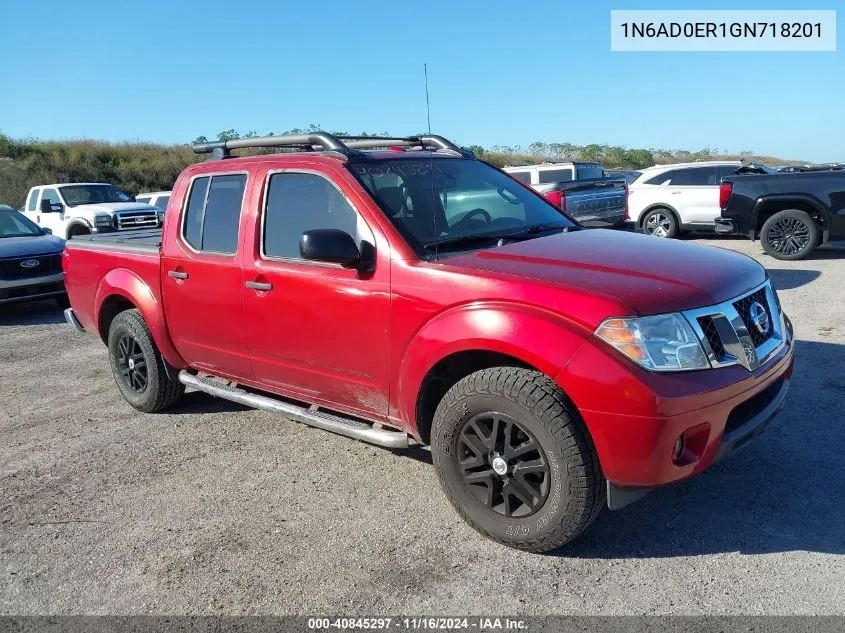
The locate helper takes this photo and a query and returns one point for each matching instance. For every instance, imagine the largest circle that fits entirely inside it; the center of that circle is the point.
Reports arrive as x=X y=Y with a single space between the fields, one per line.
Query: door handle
x=257 y=285
x=176 y=274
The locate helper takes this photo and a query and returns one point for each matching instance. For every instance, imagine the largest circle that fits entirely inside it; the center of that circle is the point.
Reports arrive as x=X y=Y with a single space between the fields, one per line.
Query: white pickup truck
x=71 y=209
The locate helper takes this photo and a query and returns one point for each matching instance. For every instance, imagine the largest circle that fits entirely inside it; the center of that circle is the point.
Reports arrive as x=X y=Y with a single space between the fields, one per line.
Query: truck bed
x=145 y=240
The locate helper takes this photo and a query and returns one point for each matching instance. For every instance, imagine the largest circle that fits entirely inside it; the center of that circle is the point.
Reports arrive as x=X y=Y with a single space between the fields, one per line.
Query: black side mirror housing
x=51 y=207
x=330 y=245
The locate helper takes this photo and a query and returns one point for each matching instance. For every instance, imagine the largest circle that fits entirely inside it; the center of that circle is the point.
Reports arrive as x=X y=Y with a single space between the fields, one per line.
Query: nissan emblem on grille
x=759 y=317
x=30 y=263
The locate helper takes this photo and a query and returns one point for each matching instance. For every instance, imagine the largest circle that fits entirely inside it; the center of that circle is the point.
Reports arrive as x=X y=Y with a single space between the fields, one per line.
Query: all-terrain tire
x=789 y=235
x=576 y=490
x=159 y=391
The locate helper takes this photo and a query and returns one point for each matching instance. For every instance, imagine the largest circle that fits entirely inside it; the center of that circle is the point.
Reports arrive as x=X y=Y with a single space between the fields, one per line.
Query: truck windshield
x=13 y=224
x=452 y=201
x=75 y=195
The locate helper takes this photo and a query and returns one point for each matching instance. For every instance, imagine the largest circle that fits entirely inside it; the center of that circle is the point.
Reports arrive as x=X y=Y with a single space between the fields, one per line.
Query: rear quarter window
x=212 y=218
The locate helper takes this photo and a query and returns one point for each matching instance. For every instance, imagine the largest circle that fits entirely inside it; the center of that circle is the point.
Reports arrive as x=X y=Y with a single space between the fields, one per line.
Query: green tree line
x=139 y=167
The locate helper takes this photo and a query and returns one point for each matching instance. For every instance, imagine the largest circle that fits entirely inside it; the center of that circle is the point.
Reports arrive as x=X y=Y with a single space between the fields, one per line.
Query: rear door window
x=686 y=177
x=212 y=218
x=548 y=176
x=33 y=200
x=523 y=176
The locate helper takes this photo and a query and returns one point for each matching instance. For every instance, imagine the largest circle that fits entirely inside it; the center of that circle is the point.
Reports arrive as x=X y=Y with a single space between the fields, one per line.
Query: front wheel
x=515 y=460
x=137 y=365
x=789 y=235
x=660 y=223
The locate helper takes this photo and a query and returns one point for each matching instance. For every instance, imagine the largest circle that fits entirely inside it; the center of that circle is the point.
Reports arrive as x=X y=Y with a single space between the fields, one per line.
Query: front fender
x=541 y=339
x=127 y=284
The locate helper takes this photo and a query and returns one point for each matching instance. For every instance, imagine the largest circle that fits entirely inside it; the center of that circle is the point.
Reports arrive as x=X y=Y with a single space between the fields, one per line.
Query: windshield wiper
x=472 y=238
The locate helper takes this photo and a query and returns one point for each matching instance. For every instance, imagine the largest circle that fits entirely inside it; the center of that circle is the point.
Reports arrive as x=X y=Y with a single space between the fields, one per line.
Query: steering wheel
x=478 y=211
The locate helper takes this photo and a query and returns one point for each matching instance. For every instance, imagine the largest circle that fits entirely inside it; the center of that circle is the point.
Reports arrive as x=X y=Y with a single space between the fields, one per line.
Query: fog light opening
x=678 y=449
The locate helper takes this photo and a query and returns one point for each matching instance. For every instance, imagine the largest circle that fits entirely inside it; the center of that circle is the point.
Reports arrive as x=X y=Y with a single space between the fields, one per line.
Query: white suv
x=668 y=199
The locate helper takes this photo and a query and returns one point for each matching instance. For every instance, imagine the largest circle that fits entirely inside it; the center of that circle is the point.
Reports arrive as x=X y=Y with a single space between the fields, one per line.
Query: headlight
x=659 y=343
x=102 y=220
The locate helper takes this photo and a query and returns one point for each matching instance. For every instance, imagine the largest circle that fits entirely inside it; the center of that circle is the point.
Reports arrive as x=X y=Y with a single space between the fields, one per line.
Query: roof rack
x=345 y=146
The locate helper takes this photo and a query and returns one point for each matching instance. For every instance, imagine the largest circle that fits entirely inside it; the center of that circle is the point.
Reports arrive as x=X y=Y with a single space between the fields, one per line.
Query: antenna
x=431 y=165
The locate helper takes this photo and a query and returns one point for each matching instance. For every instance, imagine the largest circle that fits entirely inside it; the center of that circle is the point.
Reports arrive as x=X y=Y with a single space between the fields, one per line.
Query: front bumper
x=32 y=289
x=750 y=419
x=636 y=418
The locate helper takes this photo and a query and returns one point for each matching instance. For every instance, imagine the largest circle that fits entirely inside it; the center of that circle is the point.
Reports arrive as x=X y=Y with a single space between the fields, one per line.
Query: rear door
x=694 y=193
x=202 y=276
x=317 y=331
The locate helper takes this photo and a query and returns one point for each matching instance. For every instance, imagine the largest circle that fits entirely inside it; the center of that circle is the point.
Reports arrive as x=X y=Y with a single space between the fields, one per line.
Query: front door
x=202 y=278
x=317 y=331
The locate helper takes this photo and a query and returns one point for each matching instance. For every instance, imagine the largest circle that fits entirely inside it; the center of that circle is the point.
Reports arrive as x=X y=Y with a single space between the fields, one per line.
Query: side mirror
x=51 y=207
x=47 y=231
x=330 y=245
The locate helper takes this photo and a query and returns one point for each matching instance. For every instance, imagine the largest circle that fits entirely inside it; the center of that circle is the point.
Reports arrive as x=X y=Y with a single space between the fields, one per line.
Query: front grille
x=712 y=335
x=743 y=308
x=136 y=220
x=731 y=333
x=12 y=270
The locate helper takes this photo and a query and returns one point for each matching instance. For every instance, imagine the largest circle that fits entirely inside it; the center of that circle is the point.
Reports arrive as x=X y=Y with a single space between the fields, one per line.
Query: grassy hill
x=137 y=167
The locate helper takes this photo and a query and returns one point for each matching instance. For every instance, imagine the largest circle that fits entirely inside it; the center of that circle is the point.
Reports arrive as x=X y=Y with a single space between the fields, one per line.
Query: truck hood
x=649 y=275
x=113 y=207
x=30 y=245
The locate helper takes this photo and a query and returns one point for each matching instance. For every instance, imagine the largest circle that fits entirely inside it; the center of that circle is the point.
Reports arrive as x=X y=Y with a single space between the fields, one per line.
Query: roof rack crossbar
x=321 y=140
x=345 y=145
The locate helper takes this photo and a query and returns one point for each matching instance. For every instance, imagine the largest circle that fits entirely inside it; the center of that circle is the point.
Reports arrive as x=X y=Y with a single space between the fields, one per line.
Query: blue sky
x=500 y=73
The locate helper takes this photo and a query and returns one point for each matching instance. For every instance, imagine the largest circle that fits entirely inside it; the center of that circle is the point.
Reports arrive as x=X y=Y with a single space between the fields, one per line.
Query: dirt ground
x=214 y=508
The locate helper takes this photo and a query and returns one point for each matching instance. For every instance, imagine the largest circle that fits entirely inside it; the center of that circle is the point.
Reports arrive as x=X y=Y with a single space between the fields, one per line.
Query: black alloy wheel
x=132 y=364
x=503 y=466
x=789 y=236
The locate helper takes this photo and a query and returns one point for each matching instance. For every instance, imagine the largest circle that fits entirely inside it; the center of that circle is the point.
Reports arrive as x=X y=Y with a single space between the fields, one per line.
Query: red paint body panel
x=363 y=342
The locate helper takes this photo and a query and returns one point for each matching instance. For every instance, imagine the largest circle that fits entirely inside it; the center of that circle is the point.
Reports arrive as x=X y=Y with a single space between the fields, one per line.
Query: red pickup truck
x=398 y=288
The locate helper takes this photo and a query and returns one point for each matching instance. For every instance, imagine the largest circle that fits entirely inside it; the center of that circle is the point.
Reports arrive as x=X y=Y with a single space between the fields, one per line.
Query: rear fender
x=782 y=201
x=539 y=338
x=125 y=283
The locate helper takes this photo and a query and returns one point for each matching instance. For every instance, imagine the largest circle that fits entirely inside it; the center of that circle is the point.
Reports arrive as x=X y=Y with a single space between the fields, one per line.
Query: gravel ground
x=214 y=508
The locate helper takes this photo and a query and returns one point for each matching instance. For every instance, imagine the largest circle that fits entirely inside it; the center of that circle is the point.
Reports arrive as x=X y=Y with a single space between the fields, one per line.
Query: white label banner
x=710 y=30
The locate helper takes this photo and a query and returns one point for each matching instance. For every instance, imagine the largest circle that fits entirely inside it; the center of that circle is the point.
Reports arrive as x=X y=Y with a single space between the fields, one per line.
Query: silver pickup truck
x=582 y=190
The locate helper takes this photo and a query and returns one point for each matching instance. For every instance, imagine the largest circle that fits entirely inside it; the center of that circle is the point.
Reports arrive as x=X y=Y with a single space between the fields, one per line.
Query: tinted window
x=192 y=230
x=223 y=213
x=547 y=176
x=524 y=176
x=585 y=172
x=33 y=198
x=144 y=199
x=725 y=171
x=686 y=177
x=299 y=202
x=162 y=201
x=214 y=211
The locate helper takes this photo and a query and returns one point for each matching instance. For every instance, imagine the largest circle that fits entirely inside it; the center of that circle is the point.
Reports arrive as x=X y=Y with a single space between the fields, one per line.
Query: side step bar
x=349 y=427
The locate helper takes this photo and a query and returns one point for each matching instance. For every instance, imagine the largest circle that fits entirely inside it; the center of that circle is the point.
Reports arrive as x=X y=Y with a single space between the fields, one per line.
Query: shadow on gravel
x=197 y=402
x=31 y=313
x=790 y=278
x=782 y=493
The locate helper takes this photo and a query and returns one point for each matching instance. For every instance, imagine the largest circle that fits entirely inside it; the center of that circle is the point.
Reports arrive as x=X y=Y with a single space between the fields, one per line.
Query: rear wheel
x=789 y=235
x=515 y=460
x=137 y=365
x=660 y=223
